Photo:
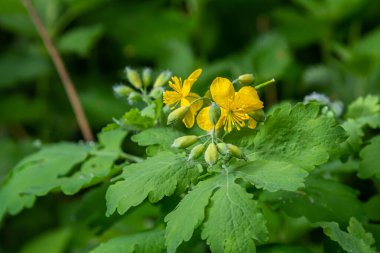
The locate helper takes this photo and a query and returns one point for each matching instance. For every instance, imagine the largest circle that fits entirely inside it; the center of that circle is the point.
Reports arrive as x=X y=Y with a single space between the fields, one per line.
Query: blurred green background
x=329 y=46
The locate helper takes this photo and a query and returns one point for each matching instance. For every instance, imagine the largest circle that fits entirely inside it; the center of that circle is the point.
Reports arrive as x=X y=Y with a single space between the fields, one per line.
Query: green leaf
x=146 y=242
x=189 y=214
x=99 y=165
x=289 y=145
x=155 y=178
x=135 y=121
x=163 y=136
x=372 y=207
x=80 y=40
x=370 y=159
x=234 y=221
x=356 y=240
x=364 y=107
x=283 y=249
x=38 y=174
x=54 y=241
x=320 y=200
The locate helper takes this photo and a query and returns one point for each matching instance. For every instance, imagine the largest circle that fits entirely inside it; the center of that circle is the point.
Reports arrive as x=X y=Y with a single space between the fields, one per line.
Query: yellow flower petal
x=203 y=119
x=176 y=84
x=171 y=98
x=247 y=99
x=197 y=105
x=193 y=77
x=222 y=92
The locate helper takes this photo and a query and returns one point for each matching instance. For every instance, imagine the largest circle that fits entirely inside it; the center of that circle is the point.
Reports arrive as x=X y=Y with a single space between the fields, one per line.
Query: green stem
x=261 y=85
x=131 y=157
x=196 y=100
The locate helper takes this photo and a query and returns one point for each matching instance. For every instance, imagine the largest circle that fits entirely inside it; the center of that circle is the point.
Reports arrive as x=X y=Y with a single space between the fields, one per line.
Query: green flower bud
x=258 y=115
x=214 y=113
x=196 y=151
x=134 y=97
x=156 y=92
x=122 y=90
x=222 y=148
x=246 y=79
x=235 y=151
x=177 y=114
x=211 y=154
x=185 y=141
x=162 y=78
x=146 y=75
x=133 y=77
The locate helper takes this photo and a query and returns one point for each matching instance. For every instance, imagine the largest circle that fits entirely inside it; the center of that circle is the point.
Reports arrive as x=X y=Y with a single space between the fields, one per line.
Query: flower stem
x=196 y=100
x=261 y=85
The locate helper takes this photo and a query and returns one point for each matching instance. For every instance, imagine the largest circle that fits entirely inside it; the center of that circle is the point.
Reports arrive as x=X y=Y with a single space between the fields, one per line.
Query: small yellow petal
x=203 y=119
x=193 y=77
x=189 y=119
x=197 y=105
x=222 y=92
x=252 y=123
x=171 y=97
x=176 y=84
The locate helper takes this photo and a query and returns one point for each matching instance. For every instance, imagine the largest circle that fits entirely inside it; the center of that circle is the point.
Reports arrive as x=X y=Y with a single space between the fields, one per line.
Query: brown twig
x=61 y=69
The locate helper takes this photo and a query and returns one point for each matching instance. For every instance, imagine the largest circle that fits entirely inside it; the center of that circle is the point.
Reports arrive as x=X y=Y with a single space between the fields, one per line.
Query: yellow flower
x=181 y=95
x=235 y=106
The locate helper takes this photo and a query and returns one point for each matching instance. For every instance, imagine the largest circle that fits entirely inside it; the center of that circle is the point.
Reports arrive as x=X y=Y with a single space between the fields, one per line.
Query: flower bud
x=196 y=151
x=133 y=77
x=177 y=114
x=146 y=74
x=235 y=151
x=214 y=113
x=122 y=90
x=162 y=78
x=222 y=148
x=185 y=141
x=246 y=79
x=134 y=97
x=258 y=115
x=211 y=154
x=156 y=92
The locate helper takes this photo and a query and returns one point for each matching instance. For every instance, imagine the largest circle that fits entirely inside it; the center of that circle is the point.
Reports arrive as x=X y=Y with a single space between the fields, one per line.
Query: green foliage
x=370 y=159
x=290 y=143
x=356 y=240
x=154 y=178
x=146 y=242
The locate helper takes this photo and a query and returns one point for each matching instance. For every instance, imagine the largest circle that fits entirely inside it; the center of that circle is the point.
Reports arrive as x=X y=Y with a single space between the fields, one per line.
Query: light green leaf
x=54 y=241
x=80 y=40
x=146 y=242
x=38 y=174
x=155 y=178
x=233 y=220
x=363 y=107
x=189 y=214
x=369 y=165
x=320 y=200
x=99 y=165
x=356 y=240
x=163 y=136
x=289 y=145
x=135 y=121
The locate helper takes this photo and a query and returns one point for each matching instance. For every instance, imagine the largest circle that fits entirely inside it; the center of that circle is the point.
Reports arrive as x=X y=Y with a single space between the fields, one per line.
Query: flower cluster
x=223 y=109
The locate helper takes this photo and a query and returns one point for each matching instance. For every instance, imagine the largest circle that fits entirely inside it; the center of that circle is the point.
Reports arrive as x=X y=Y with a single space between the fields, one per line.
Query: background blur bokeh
x=329 y=46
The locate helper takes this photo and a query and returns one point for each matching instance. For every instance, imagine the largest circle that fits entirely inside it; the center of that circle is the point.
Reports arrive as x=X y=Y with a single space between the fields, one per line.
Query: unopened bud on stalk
x=156 y=92
x=146 y=74
x=214 y=113
x=177 y=114
x=122 y=90
x=258 y=115
x=235 y=151
x=134 y=97
x=185 y=141
x=211 y=154
x=246 y=79
x=133 y=77
x=162 y=78
x=196 y=151
x=222 y=148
